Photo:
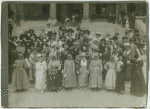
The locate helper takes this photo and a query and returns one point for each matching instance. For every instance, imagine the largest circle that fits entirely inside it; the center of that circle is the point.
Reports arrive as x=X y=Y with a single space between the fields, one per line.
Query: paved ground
x=75 y=98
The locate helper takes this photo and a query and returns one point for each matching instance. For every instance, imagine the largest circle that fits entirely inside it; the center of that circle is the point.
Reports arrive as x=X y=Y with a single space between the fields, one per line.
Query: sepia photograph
x=77 y=54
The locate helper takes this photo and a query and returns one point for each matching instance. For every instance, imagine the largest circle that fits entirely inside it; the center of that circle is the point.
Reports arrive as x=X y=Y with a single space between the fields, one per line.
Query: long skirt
x=40 y=79
x=110 y=82
x=70 y=80
x=128 y=72
x=20 y=79
x=95 y=79
x=138 y=86
x=59 y=78
x=120 y=81
x=52 y=81
x=82 y=77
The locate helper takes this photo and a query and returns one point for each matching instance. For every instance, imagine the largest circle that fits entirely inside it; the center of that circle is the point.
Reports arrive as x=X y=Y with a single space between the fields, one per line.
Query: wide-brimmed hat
x=124 y=37
x=70 y=30
x=116 y=33
x=95 y=39
x=107 y=34
x=115 y=50
x=18 y=40
x=13 y=37
x=79 y=28
x=39 y=55
x=75 y=43
x=129 y=30
x=95 y=55
x=31 y=30
x=98 y=33
x=115 y=37
x=86 y=31
x=132 y=39
x=62 y=37
x=83 y=54
x=103 y=39
x=126 y=44
x=95 y=47
x=107 y=46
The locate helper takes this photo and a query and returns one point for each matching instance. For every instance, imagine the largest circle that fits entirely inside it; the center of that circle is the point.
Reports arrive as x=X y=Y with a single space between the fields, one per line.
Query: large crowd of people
x=55 y=63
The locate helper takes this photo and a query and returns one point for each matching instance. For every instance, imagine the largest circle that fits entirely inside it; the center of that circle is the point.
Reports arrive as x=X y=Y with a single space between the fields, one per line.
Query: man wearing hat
x=102 y=45
x=98 y=36
x=70 y=40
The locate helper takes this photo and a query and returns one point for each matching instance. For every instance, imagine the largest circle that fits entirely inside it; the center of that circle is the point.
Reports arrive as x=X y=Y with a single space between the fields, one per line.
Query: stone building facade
x=85 y=11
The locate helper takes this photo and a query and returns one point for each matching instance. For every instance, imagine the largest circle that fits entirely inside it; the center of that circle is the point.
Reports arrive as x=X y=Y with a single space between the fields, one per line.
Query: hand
x=78 y=72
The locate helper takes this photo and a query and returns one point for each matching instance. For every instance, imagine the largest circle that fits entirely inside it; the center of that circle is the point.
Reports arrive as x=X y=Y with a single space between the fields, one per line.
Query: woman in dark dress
x=52 y=76
x=105 y=58
x=137 y=78
x=120 y=75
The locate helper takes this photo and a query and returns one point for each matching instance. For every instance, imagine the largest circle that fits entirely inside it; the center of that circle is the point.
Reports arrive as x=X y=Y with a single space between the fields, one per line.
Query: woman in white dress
x=110 y=81
x=40 y=73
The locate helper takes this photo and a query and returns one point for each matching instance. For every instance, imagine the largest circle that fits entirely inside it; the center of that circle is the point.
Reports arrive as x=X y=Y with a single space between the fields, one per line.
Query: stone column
x=117 y=12
x=52 y=11
x=85 y=13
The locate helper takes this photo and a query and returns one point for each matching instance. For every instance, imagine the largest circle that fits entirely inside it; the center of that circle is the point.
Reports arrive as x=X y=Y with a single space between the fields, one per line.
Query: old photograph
x=77 y=54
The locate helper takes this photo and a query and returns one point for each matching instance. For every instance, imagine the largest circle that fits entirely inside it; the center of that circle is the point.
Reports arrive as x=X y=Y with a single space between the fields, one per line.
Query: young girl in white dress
x=110 y=81
x=40 y=73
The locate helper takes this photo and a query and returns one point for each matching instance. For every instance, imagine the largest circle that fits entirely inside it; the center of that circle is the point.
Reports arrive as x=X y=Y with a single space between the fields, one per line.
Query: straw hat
x=98 y=33
x=126 y=44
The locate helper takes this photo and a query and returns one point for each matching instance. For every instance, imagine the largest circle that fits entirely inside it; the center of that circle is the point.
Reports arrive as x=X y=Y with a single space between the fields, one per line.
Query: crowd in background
x=54 y=63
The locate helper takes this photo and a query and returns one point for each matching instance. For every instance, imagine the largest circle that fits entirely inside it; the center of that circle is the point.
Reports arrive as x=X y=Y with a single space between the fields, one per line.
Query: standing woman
x=127 y=54
x=20 y=81
x=69 y=73
x=120 y=75
x=83 y=71
x=110 y=81
x=52 y=76
x=105 y=58
x=40 y=73
x=95 y=80
x=137 y=78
